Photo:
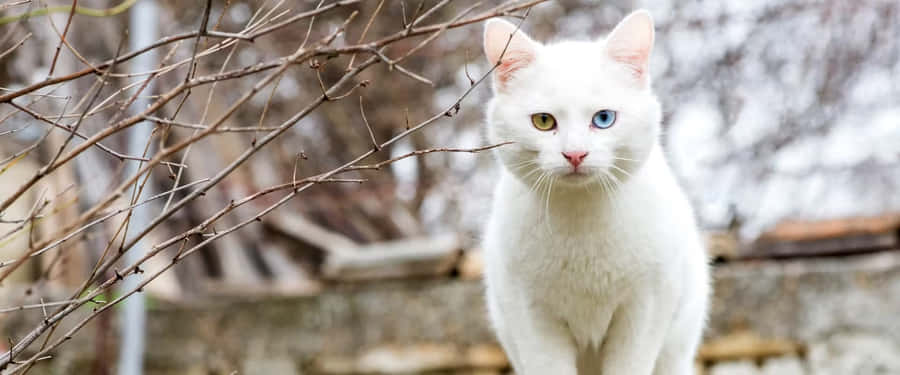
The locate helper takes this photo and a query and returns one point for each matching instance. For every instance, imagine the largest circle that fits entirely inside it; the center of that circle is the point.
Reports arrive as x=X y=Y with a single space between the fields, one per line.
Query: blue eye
x=603 y=119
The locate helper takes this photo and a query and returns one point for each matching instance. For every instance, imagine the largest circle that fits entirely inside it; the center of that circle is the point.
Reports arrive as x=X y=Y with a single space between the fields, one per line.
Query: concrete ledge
x=823 y=316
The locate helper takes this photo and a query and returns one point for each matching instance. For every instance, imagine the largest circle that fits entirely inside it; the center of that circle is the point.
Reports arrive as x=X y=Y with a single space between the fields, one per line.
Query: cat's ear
x=519 y=52
x=631 y=42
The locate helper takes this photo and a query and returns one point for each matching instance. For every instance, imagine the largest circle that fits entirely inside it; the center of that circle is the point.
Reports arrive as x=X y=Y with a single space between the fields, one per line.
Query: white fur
x=602 y=272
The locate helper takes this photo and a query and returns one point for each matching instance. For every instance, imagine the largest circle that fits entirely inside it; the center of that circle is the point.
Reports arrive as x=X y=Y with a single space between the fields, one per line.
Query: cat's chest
x=580 y=250
x=578 y=264
x=582 y=281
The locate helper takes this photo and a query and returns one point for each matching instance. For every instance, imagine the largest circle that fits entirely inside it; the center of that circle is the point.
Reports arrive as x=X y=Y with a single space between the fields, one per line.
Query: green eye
x=543 y=121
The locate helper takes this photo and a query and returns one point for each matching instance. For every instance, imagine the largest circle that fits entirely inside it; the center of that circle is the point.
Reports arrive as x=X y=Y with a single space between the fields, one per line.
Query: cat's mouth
x=576 y=176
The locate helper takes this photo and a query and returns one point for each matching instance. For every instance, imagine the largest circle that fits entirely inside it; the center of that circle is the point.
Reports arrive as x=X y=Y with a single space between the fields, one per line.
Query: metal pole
x=143 y=18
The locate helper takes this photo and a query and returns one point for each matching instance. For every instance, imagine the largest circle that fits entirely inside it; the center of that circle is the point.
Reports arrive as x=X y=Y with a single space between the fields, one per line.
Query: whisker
x=612 y=183
x=606 y=183
x=620 y=170
x=618 y=183
x=537 y=183
x=533 y=171
x=547 y=205
x=524 y=162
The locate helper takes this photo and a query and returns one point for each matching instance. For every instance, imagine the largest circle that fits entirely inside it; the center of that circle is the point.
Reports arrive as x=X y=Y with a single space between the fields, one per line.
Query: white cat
x=594 y=263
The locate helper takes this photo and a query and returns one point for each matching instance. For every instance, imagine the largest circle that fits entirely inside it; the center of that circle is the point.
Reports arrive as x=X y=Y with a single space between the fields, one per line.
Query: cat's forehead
x=573 y=68
x=573 y=53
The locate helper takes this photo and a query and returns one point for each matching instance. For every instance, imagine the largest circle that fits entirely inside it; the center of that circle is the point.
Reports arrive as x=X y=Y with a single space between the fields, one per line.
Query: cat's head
x=580 y=112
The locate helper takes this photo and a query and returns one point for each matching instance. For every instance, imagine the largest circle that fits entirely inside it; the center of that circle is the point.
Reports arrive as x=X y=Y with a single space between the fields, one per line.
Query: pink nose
x=575 y=157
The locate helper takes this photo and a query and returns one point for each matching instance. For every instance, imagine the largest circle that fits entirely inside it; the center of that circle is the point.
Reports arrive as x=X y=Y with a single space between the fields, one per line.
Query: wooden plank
x=823 y=247
x=413 y=257
x=301 y=229
x=796 y=230
x=827 y=237
x=744 y=344
x=414 y=359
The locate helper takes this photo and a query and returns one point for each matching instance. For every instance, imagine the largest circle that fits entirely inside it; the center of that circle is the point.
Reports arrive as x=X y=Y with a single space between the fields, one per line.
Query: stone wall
x=817 y=316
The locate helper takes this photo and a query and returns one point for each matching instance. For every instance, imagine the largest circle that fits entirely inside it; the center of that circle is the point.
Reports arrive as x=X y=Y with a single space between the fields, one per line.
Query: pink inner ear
x=635 y=60
x=511 y=62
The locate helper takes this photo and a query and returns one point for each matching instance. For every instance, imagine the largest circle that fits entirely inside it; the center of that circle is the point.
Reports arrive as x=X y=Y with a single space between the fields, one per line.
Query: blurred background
x=781 y=120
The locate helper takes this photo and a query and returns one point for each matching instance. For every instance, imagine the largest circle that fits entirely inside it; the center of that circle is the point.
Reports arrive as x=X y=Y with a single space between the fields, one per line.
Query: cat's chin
x=577 y=179
x=575 y=182
x=590 y=180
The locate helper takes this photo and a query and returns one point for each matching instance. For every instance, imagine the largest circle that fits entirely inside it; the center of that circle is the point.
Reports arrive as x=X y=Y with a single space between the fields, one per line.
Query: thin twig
x=362 y=112
x=365 y=31
x=13 y=48
x=383 y=163
x=62 y=38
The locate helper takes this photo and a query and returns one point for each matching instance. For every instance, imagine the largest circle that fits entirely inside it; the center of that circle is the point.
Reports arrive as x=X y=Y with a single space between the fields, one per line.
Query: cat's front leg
x=636 y=335
x=542 y=343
